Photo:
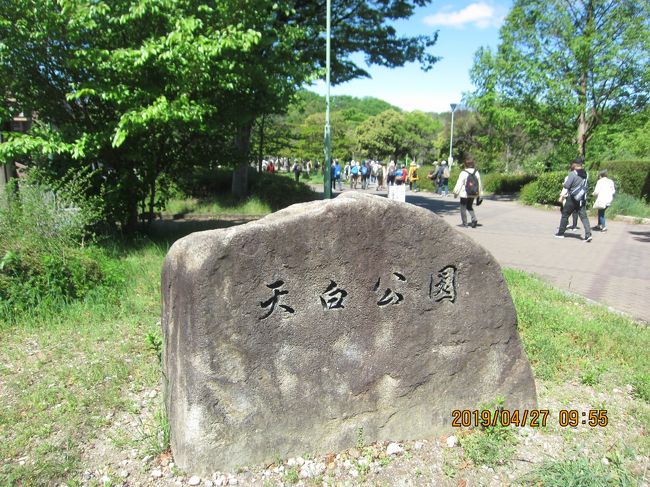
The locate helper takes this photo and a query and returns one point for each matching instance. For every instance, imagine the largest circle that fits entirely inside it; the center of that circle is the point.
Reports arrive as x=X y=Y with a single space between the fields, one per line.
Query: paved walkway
x=613 y=269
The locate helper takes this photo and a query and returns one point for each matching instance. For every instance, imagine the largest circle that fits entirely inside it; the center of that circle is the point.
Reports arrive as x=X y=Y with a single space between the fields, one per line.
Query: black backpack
x=579 y=192
x=471 y=184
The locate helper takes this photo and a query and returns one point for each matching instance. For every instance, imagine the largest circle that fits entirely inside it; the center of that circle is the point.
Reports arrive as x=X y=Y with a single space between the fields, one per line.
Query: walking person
x=574 y=196
x=390 y=174
x=336 y=175
x=365 y=173
x=413 y=177
x=354 y=171
x=469 y=188
x=380 y=177
x=297 y=169
x=574 y=215
x=604 y=193
x=443 y=178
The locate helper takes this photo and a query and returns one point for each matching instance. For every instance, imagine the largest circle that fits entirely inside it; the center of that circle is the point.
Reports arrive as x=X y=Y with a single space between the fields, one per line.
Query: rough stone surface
x=427 y=326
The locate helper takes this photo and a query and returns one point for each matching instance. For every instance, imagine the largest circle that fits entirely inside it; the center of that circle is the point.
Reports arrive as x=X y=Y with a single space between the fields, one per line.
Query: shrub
x=499 y=183
x=426 y=184
x=43 y=256
x=632 y=177
x=624 y=204
x=279 y=192
x=545 y=190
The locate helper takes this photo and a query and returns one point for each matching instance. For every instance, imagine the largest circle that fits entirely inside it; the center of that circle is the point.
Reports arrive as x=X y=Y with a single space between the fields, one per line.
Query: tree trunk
x=261 y=145
x=240 y=175
x=582 y=118
x=152 y=200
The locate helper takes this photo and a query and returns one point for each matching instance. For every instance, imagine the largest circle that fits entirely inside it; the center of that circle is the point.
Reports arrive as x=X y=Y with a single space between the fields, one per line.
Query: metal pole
x=328 y=135
x=451 y=139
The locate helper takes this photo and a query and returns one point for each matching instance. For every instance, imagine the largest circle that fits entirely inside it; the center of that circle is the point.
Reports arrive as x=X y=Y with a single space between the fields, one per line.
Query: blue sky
x=463 y=27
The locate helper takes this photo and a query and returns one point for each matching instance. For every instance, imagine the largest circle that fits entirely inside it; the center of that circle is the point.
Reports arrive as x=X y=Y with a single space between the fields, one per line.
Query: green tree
x=567 y=63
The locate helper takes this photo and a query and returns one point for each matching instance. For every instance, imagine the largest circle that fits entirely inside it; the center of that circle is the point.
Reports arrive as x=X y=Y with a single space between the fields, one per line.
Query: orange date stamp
x=534 y=418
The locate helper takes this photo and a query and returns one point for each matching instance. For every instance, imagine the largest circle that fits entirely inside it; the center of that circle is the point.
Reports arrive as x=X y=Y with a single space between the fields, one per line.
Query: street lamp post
x=328 y=135
x=451 y=138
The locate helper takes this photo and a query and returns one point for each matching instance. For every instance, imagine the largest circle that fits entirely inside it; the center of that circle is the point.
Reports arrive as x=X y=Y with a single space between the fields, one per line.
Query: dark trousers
x=467 y=204
x=571 y=205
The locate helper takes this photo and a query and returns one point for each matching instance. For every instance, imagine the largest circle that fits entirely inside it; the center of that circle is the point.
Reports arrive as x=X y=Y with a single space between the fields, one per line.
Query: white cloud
x=481 y=14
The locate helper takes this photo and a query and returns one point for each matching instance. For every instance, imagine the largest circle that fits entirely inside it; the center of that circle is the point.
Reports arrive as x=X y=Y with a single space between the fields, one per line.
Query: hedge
x=545 y=189
x=499 y=183
x=632 y=177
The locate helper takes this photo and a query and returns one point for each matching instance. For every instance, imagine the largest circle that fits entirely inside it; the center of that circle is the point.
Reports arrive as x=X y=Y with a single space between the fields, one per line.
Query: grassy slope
x=62 y=377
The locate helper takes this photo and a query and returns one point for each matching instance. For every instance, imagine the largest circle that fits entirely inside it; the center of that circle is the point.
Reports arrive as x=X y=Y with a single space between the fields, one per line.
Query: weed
x=591 y=374
x=360 y=439
x=578 y=472
x=491 y=445
x=291 y=475
x=155 y=343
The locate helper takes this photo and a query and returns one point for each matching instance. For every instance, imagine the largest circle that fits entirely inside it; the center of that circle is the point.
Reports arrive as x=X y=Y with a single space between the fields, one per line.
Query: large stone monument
x=295 y=333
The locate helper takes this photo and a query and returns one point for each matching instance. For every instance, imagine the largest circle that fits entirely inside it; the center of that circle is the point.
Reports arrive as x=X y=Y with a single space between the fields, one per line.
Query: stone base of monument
x=295 y=333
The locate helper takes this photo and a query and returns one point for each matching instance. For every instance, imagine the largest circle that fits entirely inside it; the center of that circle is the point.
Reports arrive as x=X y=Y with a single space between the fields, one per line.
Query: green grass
x=579 y=472
x=566 y=338
x=624 y=204
x=62 y=373
x=65 y=373
x=218 y=206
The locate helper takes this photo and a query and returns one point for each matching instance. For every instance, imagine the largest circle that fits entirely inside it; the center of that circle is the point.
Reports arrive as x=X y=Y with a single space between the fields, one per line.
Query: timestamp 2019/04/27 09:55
x=535 y=418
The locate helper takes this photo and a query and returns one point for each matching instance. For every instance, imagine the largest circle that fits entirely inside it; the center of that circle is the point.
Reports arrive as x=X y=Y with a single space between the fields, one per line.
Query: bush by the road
x=45 y=261
x=499 y=183
x=545 y=190
x=631 y=177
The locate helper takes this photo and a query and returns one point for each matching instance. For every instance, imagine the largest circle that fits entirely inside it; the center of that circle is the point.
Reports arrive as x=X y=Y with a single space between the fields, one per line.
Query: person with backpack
x=354 y=171
x=443 y=178
x=365 y=172
x=390 y=173
x=336 y=175
x=574 y=196
x=380 y=176
x=346 y=171
x=413 y=177
x=297 y=169
x=469 y=188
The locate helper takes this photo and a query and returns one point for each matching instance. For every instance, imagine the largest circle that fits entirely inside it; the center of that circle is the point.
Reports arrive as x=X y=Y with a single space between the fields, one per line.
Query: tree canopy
x=566 y=67
x=142 y=89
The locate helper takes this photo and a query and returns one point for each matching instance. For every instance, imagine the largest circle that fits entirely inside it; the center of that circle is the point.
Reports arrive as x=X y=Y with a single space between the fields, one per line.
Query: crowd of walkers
x=363 y=174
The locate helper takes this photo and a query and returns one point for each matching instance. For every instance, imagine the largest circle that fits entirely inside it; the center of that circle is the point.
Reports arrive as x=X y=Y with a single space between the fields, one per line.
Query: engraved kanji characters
x=272 y=302
x=445 y=287
x=333 y=297
x=390 y=297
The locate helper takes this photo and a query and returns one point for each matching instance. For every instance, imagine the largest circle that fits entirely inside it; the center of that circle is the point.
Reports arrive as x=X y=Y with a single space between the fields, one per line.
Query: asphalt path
x=612 y=269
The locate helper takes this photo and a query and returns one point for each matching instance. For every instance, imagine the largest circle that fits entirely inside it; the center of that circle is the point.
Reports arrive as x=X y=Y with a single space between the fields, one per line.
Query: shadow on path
x=641 y=236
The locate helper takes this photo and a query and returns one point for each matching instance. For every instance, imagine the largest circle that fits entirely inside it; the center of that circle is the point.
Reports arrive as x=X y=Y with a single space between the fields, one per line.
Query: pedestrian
x=390 y=173
x=297 y=169
x=443 y=178
x=380 y=176
x=336 y=175
x=270 y=167
x=346 y=171
x=604 y=193
x=413 y=177
x=365 y=173
x=469 y=188
x=574 y=215
x=354 y=171
x=574 y=196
